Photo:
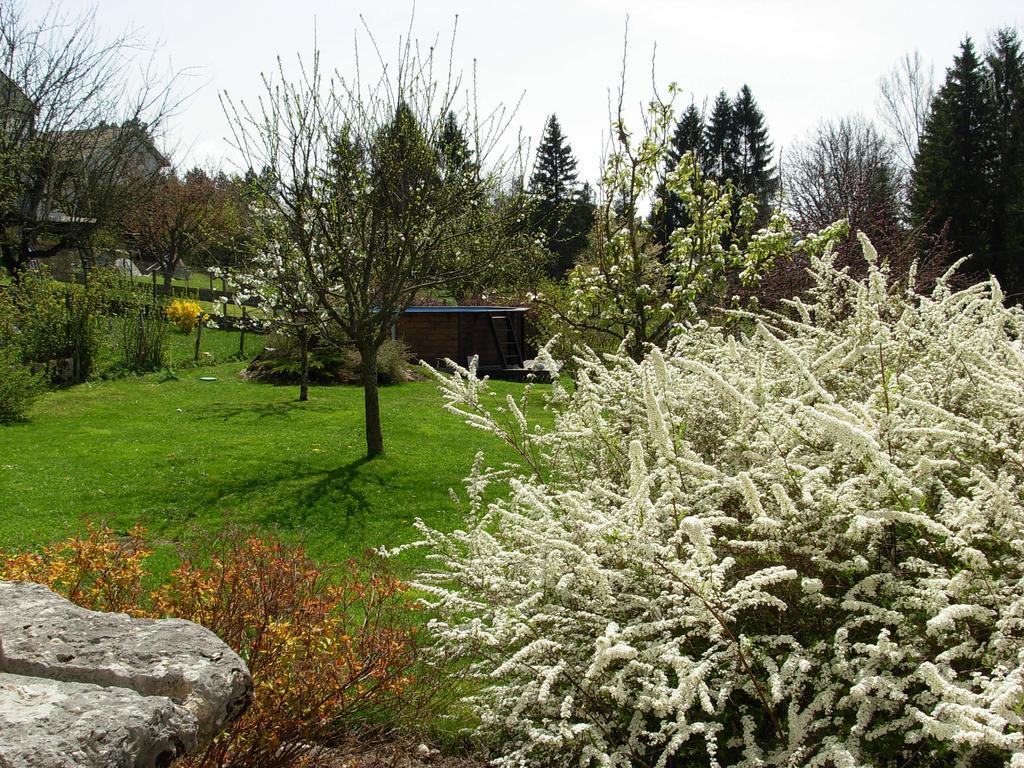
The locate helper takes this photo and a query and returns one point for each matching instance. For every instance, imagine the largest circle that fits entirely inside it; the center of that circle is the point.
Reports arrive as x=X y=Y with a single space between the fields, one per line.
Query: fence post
x=241 y=336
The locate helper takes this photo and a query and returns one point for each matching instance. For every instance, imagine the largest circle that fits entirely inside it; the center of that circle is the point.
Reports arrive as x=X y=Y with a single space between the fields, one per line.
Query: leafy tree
x=176 y=221
x=562 y=210
x=905 y=98
x=688 y=137
x=361 y=182
x=631 y=291
x=845 y=169
x=954 y=167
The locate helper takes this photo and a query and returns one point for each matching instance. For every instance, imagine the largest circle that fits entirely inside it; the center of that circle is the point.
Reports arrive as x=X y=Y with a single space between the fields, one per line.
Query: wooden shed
x=496 y=335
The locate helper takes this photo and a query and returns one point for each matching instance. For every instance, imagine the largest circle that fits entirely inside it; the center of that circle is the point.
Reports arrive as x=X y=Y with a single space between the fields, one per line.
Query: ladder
x=506 y=340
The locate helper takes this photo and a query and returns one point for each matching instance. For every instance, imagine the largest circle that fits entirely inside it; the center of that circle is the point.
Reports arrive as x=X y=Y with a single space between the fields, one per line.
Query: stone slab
x=52 y=724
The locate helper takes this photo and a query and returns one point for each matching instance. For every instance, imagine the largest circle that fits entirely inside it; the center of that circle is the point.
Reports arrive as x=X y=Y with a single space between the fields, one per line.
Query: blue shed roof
x=449 y=310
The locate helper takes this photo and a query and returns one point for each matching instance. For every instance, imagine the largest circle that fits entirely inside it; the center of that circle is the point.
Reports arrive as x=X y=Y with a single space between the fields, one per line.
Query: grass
x=177 y=454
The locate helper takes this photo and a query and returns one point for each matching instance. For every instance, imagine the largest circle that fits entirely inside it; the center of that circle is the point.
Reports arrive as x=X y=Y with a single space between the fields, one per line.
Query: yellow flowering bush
x=186 y=314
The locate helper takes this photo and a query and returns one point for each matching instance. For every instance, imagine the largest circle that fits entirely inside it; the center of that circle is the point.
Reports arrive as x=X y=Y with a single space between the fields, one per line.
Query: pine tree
x=721 y=140
x=456 y=157
x=954 y=167
x=687 y=137
x=562 y=213
x=1006 y=68
x=754 y=173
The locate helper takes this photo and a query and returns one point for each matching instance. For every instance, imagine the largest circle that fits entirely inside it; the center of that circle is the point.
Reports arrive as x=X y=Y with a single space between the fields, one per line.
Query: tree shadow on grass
x=328 y=509
x=225 y=411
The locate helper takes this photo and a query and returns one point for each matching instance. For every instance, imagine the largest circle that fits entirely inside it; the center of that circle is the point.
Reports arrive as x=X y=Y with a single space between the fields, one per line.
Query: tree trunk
x=304 y=369
x=371 y=401
x=199 y=338
x=167 y=281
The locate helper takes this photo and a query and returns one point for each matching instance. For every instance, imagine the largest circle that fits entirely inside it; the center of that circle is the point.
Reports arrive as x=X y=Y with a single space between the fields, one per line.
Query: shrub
x=186 y=314
x=280 y=363
x=56 y=327
x=19 y=386
x=802 y=546
x=99 y=570
x=331 y=652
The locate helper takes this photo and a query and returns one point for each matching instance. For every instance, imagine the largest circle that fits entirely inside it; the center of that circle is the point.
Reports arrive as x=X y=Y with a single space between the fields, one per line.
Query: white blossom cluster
x=799 y=546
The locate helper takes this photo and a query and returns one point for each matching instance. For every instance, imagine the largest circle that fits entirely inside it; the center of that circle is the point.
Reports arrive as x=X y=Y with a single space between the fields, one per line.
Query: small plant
x=186 y=314
x=280 y=363
x=55 y=326
x=99 y=570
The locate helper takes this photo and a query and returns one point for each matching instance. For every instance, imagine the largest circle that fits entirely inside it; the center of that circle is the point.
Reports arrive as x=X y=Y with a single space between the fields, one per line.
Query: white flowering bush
x=801 y=546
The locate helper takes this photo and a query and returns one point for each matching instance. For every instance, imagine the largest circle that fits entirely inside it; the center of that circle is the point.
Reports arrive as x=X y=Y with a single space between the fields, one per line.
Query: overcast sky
x=804 y=59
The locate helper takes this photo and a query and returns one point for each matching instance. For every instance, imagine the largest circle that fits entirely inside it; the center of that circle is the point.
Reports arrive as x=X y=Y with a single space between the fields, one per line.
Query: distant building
x=17 y=112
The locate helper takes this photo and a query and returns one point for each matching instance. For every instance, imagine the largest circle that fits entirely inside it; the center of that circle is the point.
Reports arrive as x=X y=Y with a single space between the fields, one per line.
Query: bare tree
x=78 y=113
x=905 y=97
x=377 y=218
x=845 y=169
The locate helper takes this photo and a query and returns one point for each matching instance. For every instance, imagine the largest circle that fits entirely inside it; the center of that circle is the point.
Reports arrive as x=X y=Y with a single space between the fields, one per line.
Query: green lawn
x=177 y=454
x=195 y=280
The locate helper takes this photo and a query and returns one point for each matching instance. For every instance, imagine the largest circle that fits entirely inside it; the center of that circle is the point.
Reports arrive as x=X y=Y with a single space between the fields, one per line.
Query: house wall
x=435 y=336
x=430 y=337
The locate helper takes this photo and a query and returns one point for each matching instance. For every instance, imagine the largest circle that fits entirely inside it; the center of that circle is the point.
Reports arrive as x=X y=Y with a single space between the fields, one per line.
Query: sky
x=804 y=60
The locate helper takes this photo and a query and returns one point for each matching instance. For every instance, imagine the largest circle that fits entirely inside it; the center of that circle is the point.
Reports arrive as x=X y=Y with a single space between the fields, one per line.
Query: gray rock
x=50 y=724
x=166 y=668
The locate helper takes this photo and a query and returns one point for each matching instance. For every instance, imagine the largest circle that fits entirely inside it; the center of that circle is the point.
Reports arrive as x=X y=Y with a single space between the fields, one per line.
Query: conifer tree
x=754 y=174
x=721 y=139
x=954 y=167
x=455 y=155
x=562 y=211
x=1006 y=68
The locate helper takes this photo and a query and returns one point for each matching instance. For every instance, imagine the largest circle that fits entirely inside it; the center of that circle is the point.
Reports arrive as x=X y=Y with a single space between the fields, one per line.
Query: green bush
x=55 y=327
x=19 y=386
x=280 y=363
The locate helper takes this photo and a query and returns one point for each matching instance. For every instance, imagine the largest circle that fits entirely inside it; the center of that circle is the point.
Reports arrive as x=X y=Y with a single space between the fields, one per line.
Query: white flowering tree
x=276 y=278
x=800 y=546
x=630 y=288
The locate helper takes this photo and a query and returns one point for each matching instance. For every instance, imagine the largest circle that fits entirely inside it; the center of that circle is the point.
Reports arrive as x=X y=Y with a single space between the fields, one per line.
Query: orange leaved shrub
x=331 y=652
x=99 y=570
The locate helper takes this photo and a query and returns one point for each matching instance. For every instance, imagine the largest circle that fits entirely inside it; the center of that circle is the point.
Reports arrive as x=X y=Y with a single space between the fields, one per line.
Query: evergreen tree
x=1006 y=68
x=721 y=140
x=562 y=212
x=455 y=155
x=754 y=173
x=687 y=137
x=954 y=167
